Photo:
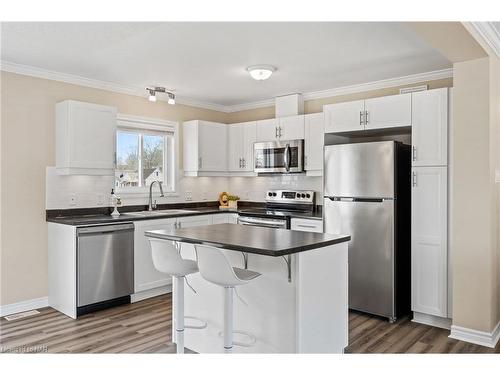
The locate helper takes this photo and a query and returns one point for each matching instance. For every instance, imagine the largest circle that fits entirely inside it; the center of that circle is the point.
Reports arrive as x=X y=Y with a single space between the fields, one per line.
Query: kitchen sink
x=159 y=212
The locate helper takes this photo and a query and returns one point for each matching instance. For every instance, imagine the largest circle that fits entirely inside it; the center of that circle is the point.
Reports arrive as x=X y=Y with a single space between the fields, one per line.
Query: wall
x=475 y=197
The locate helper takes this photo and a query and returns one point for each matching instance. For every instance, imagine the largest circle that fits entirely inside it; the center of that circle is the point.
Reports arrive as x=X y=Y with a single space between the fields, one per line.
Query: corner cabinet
x=205 y=148
x=314 y=130
x=85 y=138
x=241 y=138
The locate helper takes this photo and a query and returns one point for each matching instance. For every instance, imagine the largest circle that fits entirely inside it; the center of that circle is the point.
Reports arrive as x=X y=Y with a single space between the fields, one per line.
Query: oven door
x=262 y=222
x=279 y=157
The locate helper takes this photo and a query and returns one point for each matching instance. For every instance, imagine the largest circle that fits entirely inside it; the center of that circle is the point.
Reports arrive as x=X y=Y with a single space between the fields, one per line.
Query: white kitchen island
x=298 y=309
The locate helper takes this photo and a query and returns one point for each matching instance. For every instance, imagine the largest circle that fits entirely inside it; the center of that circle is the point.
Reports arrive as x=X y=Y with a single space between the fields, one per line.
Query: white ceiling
x=207 y=61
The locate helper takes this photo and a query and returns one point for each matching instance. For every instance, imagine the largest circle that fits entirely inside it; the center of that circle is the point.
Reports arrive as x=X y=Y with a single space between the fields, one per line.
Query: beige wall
x=316 y=105
x=475 y=196
x=27 y=148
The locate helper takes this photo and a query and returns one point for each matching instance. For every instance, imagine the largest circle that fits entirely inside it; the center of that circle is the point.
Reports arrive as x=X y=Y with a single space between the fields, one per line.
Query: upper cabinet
x=388 y=112
x=241 y=138
x=85 y=138
x=314 y=141
x=280 y=129
x=344 y=117
x=429 y=131
x=205 y=148
x=370 y=114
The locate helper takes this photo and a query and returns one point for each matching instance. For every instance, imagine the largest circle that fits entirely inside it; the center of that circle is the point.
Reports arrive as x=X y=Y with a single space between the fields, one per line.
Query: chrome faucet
x=152 y=206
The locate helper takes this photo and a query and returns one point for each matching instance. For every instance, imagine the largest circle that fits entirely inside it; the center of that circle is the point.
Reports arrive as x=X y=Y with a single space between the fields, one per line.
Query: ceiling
x=206 y=61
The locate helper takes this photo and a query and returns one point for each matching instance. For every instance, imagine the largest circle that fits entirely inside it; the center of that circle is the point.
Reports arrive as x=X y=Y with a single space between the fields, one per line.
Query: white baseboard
x=22 y=306
x=489 y=339
x=431 y=320
x=136 y=297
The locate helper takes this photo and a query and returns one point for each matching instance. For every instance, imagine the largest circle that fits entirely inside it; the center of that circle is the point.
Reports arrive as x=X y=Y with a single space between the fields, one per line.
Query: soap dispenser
x=115 y=201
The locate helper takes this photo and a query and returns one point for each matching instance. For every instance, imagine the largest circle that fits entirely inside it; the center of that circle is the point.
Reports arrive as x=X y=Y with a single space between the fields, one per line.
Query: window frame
x=153 y=126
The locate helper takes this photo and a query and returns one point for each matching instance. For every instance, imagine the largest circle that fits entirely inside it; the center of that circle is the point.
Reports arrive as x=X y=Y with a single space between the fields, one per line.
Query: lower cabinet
x=429 y=256
x=307 y=225
x=226 y=218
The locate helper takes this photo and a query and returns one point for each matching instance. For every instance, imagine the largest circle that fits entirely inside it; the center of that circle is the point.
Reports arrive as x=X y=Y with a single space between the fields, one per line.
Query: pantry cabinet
x=429 y=133
x=241 y=137
x=429 y=230
x=314 y=143
x=85 y=138
x=205 y=148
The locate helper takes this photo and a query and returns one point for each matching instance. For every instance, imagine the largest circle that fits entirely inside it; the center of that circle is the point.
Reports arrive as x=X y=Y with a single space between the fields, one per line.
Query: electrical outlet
x=72 y=200
x=100 y=199
x=189 y=195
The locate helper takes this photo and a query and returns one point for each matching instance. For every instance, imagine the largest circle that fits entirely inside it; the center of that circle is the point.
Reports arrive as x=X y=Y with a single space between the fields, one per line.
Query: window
x=144 y=153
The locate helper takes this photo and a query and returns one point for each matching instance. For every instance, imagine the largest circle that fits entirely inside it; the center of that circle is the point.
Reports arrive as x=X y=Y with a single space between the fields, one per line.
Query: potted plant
x=232 y=201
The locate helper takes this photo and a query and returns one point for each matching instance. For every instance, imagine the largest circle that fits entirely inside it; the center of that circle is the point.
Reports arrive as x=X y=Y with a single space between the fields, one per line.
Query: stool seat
x=244 y=274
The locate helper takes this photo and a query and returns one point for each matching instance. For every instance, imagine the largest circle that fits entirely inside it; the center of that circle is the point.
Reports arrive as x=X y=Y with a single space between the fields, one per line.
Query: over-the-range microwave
x=279 y=156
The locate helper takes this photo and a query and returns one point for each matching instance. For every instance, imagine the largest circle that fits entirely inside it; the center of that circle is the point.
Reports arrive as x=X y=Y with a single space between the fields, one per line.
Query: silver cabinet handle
x=276 y=132
x=281 y=130
x=179 y=225
x=361 y=118
x=200 y=162
x=240 y=163
x=306 y=226
x=414 y=153
x=244 y=162
x=414 y=179
x=367 y=119
x=305 y=161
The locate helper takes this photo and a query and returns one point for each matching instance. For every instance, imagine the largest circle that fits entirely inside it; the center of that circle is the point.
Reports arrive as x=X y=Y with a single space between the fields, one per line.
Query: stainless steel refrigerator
x=367 y=195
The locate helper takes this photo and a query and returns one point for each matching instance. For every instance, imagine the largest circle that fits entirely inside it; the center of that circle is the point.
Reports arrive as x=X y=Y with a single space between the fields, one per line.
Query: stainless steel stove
x=281 y=205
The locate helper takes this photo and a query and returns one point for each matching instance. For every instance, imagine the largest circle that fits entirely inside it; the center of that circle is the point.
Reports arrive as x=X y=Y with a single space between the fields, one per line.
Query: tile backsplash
x=94 y=191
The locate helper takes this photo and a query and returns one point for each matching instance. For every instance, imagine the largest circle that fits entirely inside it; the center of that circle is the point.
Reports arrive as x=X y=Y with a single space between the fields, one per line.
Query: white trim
x=32 y=71
x=136 y=297
x=489 y=339
x=31 y=304
x=148 y=123
x=139 y=91
x=489 y=33
x=431 y=320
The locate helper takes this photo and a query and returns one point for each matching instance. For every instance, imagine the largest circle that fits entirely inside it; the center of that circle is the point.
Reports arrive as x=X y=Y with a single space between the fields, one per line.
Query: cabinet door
x=344 y=117
x=429 y=132
x=249 y=138
x=429 y=240
x=267 y=130
x=145 y=274
x=291 y=127
x=187 y=250
x=307 y=225
x=212 y=143
x=388 y=112
x=235 y=147
x=314 y=141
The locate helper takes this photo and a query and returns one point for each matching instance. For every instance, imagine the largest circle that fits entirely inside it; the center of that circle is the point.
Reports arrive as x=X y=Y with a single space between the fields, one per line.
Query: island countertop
x=251 y=239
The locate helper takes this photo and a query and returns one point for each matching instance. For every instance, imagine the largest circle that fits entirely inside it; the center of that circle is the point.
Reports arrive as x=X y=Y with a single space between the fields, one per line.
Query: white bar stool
x=215 y=268
x=167 y=259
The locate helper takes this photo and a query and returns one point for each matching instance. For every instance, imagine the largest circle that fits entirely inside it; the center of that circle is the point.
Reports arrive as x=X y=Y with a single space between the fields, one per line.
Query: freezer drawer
x=371 y=251
x=105 y=263
x=360 y=170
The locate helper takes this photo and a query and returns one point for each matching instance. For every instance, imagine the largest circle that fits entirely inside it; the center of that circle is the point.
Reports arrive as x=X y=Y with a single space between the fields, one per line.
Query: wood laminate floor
x=145 y=327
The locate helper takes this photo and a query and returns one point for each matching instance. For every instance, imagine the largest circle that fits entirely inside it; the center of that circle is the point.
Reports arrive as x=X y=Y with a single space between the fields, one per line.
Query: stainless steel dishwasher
x=105 y=266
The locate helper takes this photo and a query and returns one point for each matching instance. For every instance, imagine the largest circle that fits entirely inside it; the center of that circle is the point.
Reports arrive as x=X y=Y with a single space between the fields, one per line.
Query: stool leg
x=179 y=314
x=228 y=319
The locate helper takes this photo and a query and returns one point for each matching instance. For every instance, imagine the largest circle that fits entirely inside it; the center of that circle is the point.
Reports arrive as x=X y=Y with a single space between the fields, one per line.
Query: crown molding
x=489 y=33
x=32 y=71
x=140 y=91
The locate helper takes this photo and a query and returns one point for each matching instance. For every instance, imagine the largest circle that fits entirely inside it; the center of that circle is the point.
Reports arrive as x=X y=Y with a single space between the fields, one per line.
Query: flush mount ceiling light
x=153 y=91
x=261 y=72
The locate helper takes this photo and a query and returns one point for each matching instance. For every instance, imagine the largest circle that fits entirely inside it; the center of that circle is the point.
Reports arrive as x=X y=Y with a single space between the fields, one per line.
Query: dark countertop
x=92 y=218
x=250 y=239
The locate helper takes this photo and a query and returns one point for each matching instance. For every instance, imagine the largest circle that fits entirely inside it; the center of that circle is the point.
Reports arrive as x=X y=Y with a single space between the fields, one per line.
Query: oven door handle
x=287 y=157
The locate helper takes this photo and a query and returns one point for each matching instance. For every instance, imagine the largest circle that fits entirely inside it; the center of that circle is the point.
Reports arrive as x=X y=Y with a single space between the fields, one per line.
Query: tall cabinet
x=429 y=181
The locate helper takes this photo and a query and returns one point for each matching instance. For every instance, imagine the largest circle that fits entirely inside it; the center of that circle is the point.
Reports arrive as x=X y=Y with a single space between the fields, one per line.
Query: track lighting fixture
x=154 y=90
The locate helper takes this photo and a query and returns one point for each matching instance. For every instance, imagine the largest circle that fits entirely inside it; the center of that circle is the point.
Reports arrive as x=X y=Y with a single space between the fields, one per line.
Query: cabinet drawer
x=306 y=225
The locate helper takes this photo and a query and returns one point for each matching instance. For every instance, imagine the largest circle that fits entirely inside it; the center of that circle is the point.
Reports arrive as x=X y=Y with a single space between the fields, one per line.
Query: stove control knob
x=298 y=195
x=308 y=195
x=274 y=194
x=303 y=195
x=270 y=194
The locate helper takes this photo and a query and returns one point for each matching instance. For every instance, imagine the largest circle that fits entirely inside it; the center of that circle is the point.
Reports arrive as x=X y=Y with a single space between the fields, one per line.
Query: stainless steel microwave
x=279 y=156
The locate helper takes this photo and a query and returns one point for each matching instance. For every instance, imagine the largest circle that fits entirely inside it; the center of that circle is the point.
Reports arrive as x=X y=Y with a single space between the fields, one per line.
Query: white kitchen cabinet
x=241 y=138
x=280 y=129
x=267 y=130
x=145 y=274
x=388 y=112
x=187 y=250
x=429 y=268
x=205 y=148
x=85 y=138
x=429 y=132
x=314 y=141
x=291 y=127
x=226 y=218
x=344 y=117
x=307 y=225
